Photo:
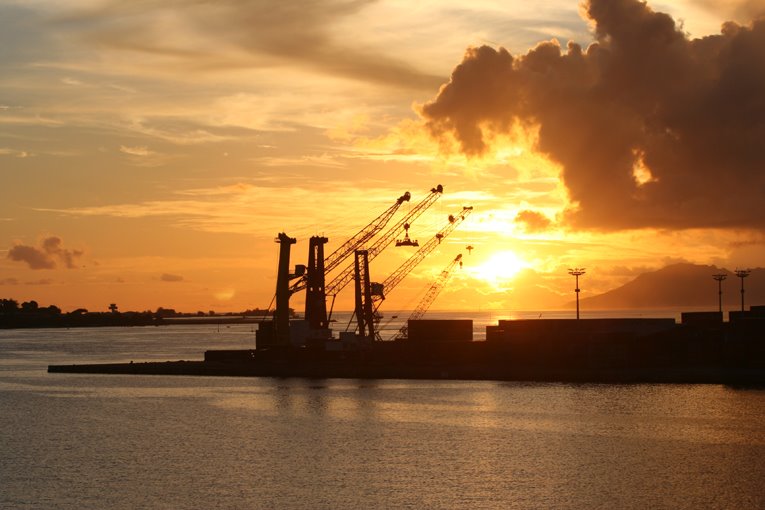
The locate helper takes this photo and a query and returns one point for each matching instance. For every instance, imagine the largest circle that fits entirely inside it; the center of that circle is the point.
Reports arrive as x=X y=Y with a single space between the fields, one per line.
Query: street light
x=742 y=273
x=577 y=272
x=719 y=277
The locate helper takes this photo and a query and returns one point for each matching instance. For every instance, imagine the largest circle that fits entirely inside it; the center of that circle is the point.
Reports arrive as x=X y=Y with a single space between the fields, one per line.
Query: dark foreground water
x=82 y=441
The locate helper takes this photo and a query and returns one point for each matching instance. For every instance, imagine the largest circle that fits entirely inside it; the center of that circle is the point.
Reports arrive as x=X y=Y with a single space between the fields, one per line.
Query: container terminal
x=702 y=348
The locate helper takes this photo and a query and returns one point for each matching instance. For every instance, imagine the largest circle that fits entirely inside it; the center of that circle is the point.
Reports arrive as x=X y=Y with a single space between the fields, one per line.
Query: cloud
x=46 y=256
x=35 y=258
x=232 y=34
x=232 y=208
x=651 y=128
x=140 y=155
x=167 y=277
x=136 y=151
x=740 y=10
x=9 y=281
x=41 y=281
x=4 y=151
x=533 y=221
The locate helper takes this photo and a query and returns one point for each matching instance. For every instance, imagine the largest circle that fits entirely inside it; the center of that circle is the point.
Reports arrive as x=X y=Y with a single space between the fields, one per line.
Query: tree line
x=30 y=314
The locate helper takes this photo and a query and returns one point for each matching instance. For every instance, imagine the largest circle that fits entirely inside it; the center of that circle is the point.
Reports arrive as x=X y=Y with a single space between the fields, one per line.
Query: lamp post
x=719 y=277
x=577 y=272
x=742 y=273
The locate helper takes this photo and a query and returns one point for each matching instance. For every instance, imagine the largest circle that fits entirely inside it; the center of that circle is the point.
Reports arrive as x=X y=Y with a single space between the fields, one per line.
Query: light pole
x=719 y=277
x=577 y=272
x=742 y=273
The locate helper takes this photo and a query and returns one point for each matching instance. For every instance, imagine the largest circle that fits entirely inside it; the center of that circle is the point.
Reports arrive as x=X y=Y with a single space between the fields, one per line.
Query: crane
x=355 y=242
x=404 y=269
x=376 y=291
x=347 y=275
x=430 y=295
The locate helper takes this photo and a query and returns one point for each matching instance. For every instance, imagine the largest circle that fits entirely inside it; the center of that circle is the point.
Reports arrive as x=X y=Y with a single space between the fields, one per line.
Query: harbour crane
x=313 y=279
x=347 y=275
x=369 y=298
x=430 y=295
x=404 y=269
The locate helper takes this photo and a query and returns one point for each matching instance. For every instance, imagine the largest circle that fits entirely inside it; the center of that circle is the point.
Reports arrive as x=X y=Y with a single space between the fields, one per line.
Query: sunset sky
x=150 y=151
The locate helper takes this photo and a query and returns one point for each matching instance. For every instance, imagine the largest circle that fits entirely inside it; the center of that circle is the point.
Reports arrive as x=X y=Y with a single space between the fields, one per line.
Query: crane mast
x=366 y=325
x=347 y=275
x=404 y=269
x=281 y=315
x=430 y=295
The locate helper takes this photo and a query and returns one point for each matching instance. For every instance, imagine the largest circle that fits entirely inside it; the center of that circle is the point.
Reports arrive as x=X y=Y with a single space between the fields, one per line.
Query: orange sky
x=150 y=152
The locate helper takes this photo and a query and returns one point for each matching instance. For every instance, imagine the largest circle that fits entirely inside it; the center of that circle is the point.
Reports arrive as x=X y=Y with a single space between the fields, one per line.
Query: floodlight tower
x=719 y=277
x=577 y=272
x=742 y=273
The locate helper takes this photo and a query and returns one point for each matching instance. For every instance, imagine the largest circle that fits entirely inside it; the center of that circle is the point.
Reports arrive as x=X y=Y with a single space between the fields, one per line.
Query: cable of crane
x=430 y=296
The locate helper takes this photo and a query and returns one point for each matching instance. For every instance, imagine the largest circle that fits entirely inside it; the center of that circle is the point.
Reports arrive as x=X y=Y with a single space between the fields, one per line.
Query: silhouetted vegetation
x=30 y=314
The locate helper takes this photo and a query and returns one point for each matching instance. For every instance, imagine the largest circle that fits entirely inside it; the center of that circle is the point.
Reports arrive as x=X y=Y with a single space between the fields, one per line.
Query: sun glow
x=503 y=265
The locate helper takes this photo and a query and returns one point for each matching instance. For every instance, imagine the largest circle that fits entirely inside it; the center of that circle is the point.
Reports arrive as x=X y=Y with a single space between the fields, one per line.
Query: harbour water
x=87 y=441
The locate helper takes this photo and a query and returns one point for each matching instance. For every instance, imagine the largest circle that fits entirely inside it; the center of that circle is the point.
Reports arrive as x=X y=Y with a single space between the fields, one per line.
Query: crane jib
x=346 y=276
x=355 y=242
x=404 y=269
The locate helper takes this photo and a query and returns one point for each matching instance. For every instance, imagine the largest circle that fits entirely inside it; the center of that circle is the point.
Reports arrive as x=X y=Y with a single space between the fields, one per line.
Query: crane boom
x=346 y=276
x=355 y=242
x=430 y=295
x=404 y=269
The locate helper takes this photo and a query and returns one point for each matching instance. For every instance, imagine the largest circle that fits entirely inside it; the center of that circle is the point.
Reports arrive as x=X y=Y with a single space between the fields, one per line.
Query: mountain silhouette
x=682 y=285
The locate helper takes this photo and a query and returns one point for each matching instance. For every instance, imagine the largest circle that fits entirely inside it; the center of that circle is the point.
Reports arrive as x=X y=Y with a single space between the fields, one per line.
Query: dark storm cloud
x=269 y=32
x=46 y=256
x=651 y=129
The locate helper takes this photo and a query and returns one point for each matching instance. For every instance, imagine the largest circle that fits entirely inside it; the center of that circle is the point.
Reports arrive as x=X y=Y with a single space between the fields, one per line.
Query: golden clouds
x=533 y=221
x=644 y=109
x=179 y=136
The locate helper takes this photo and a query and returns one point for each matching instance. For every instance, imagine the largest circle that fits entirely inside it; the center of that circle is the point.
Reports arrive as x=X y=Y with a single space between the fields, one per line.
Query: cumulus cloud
x=533 y=221
x=651 y=128
x=167 y=277
x=46 y=256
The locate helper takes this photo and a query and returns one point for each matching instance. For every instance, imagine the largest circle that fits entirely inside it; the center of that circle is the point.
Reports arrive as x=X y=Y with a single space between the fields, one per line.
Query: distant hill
x=682 y=286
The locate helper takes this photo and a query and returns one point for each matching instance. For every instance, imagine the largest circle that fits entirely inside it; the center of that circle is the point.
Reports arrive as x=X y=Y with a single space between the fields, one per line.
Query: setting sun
x=502 y=265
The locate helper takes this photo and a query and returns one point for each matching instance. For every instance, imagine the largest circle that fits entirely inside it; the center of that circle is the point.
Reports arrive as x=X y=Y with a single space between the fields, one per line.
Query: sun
x=502 y=265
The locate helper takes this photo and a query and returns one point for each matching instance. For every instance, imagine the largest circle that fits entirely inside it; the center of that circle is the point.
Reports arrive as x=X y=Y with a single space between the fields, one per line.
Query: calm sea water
x=98 y=441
